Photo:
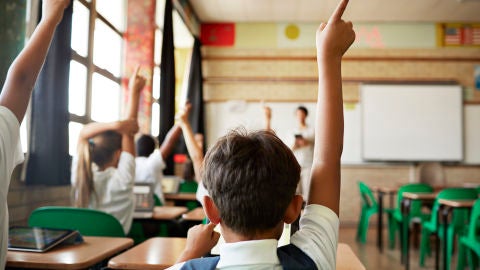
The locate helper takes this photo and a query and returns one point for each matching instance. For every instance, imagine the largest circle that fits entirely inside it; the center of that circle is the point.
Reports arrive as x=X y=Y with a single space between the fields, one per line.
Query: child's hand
x=200 y=240
x=268 y=112
x=182 y=115
x=52 y=10
x=127 y=127
x=137 y=82
x=334 y=38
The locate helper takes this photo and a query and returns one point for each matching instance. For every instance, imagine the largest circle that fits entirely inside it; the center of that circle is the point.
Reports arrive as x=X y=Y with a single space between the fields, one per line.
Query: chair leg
x=359 y=226
x=424 y=245
x=461 y=256
x=392 y=229
x=363 y=235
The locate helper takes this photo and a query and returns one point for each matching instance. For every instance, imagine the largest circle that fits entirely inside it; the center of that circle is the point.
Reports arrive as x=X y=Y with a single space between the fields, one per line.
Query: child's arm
x=135 y=86
x=333 y=39
x=170 y=140
x=194 y=150
x=268 y=117
x=200 y=240
x=91 y=130
x=24 y=70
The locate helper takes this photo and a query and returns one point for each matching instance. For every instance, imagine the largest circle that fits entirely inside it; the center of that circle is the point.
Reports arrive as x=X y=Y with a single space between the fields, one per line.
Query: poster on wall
x=477 y=77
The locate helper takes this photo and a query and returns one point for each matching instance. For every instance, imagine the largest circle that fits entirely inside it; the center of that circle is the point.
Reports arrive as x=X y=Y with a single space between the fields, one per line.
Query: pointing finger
x=137 y=69
x=337 y=14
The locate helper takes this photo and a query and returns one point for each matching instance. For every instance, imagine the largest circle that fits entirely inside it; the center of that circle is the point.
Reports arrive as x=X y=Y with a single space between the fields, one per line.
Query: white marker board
x=224 y=116
x=472 y=134
x=412 y=122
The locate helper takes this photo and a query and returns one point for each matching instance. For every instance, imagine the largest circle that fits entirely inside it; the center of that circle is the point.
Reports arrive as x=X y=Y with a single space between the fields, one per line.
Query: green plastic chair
x=188 y=187
x=456 y=226
x=396 y=217
x=369 y=208
x=88 y=222
x=469 y=244
x=157 y=200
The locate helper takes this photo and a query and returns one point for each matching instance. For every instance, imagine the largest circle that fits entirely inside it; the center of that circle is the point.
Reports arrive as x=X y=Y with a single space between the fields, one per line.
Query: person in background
x=150 y=162
x=252 y=177
x=14 y=99
x=103 y=173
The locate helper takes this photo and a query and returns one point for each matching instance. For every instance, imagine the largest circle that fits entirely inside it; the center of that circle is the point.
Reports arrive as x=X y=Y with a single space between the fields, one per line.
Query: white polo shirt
x=317 y=237
x=10 y=156
x=150 y=170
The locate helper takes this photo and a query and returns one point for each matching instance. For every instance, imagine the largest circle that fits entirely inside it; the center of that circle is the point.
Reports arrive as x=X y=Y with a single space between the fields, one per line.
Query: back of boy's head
x=252 y=178
x=303 y=109
x=104 y=147
x=145 y=145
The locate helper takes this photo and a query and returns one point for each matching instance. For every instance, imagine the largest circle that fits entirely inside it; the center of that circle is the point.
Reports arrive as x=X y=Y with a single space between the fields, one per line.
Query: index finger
x=137 y=69
x=337 y=14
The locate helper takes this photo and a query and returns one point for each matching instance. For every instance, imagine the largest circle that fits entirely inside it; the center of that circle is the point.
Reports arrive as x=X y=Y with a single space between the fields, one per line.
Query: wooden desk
x=446 y=206
x=407 y=198
x=94 y=250
x=381 y=191
x=161 y=253
x=196 y=214
x=181 y=197
x=168 y=212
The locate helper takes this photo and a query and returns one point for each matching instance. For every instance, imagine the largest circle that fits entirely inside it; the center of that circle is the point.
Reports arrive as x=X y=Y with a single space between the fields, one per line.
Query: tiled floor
x=389 y=259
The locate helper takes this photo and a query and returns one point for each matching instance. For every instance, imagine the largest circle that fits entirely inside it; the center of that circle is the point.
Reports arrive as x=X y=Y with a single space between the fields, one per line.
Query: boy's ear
x=293 y=209
x=211 y=210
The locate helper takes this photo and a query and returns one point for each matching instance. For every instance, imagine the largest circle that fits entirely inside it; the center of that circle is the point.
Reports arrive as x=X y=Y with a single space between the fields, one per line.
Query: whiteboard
x=224 y=116
x=472 y=134
x=412 y=122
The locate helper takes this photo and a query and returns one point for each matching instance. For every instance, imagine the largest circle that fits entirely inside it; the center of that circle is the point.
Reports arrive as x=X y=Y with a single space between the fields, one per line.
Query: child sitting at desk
x=103 y=173
x=14 y=101
x=150 y=162
x=252 y=177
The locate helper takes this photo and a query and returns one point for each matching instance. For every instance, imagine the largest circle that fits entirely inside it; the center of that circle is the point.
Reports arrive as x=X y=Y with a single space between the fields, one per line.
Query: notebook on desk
x=170 y=184
x=144 y=202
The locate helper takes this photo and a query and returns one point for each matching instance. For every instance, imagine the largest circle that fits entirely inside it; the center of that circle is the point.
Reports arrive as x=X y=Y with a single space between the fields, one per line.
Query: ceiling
x=319 y=10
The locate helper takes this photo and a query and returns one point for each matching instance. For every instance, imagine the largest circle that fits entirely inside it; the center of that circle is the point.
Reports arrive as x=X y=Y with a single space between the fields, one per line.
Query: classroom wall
x=260 y=68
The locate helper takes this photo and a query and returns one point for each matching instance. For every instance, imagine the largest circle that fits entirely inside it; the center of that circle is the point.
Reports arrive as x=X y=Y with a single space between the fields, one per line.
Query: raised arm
x=91 y=130
x=24 y=70
x=170 y=140
x=194 y=150
x=135 y=86
x=268 y=117
x=333 y=39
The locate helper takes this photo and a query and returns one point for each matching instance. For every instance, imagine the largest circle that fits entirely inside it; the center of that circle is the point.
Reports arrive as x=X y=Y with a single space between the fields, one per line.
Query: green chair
x=369 y=208
x=88 y=222
x=157 y=200
x=469 y=244
x=396 y=217
x=188 y=187
x=456 y=226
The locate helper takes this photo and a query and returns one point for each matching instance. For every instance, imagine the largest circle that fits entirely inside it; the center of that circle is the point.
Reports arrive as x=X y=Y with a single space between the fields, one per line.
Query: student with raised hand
x=252 y=177
x=103 y=173
x=194 y=148
x=14 y=99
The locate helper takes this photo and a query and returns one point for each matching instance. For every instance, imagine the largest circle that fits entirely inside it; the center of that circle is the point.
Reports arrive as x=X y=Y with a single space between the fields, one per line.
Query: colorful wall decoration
x=458 y=35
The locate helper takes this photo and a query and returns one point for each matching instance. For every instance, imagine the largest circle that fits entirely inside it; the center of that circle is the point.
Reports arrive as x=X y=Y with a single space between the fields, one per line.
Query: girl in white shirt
x=103 y=173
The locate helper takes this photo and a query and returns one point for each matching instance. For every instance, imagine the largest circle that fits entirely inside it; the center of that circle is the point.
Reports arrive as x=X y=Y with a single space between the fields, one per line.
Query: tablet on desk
x=37 y=239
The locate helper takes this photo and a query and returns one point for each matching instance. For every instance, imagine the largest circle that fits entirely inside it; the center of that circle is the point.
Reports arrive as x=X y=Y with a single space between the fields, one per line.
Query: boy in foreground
x=14 y=101
x=252 y=177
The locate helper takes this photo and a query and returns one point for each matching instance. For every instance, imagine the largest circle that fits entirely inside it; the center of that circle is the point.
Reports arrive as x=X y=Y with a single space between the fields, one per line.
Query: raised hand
x=52 y=10
x=127 y=127
x=182 y=115
x=137 y=82
x=335 y=37
x=268 y=112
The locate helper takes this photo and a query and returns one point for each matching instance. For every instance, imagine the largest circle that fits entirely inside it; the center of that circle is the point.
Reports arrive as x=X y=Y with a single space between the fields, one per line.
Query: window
x=96 y=65
x=155 y=120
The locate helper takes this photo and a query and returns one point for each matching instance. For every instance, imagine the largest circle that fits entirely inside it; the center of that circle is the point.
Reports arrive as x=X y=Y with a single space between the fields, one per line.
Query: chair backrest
x=367 y=195
x=432 y=173
x=452 y=194
x=415 y=207
x=474 y=223
x=188 y=187
x=88 y=222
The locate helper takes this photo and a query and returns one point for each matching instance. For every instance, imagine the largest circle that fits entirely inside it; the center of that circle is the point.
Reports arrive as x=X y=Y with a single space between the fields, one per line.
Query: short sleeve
x=318 y=235
x=11 y=150
x=125 y=172
x=155 y=161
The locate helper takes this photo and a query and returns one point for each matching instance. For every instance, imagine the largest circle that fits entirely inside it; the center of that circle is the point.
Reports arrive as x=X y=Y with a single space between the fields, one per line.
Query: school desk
x=161 y=253
x=381 y=192
x=196 y=215
x=93 y=251
x=180 y=197
x=168 y=212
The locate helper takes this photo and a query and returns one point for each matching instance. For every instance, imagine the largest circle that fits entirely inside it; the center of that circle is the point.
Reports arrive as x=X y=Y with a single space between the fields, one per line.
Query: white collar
x=248 y=253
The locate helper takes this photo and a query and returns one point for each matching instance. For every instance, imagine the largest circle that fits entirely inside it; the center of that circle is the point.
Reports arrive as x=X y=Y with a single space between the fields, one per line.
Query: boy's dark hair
x=104 y=146
x=252 y=178
x=145 y=145
x=303 y=109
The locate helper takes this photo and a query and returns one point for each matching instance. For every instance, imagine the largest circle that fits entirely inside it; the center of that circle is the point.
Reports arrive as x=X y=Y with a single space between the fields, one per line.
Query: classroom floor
x=389 y=259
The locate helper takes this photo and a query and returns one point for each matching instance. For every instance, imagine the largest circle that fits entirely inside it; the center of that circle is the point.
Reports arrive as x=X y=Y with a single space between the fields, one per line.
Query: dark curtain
x=195 y=91
x=167 y=82
x=49 y=160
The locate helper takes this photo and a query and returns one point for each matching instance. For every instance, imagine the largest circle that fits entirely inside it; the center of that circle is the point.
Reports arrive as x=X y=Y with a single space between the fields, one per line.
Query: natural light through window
x=80 y=28
x=73 y=132
x=107 y=48
x=77 y=88
x=105 y=99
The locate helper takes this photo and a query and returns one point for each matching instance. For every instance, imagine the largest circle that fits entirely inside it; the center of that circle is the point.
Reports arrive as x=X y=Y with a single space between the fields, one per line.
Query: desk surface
x=81 y=256
x=196 y=214
x=180 y=196
x=457 y=203
x=388 y=190
x=168 y=212
x=161 y=253
x=419 y=196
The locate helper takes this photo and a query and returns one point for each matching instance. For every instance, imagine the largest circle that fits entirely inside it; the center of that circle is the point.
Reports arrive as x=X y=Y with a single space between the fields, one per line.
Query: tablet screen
x=36 y=239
